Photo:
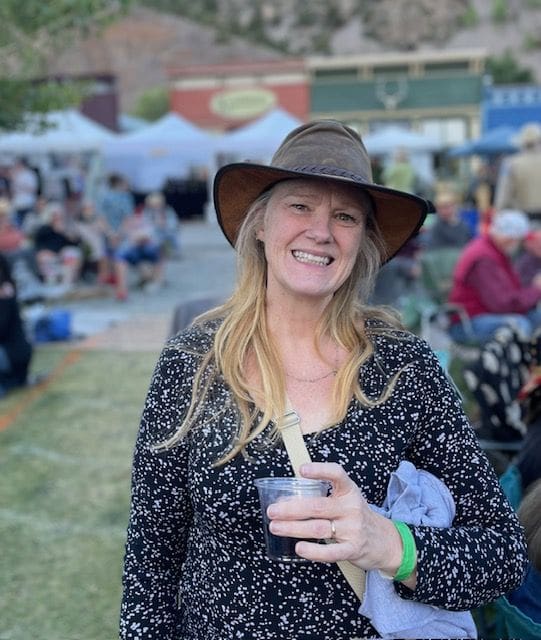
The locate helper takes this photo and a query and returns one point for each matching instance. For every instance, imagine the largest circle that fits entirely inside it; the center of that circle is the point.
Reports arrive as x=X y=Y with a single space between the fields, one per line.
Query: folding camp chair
x=437 y=266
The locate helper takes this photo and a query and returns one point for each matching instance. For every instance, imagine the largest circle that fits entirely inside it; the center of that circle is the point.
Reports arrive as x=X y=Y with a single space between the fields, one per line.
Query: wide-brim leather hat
x=323 y=149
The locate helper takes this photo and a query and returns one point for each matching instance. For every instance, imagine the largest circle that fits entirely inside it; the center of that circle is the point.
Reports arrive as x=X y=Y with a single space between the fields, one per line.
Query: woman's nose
x=319 y=228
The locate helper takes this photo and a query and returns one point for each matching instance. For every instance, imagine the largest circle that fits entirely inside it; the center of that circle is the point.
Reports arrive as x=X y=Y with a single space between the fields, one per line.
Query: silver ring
x=333 y=529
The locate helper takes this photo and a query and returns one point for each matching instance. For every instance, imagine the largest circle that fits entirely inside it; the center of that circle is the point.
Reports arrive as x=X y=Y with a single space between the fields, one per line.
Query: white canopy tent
x=420 y=148
x=388 y=139
x=166 y=149
x=259 y=139
x=67 y=132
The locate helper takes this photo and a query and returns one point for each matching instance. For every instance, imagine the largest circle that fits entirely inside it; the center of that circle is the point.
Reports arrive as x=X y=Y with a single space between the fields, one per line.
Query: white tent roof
x=171 y=128
x=68 y=131
x=390 y=138
x=165 y=149
x=261 y=137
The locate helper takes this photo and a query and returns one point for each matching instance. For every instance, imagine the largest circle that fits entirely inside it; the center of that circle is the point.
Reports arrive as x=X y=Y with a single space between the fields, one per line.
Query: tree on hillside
x=152 y=104
x=505 y=69
x=32 y=30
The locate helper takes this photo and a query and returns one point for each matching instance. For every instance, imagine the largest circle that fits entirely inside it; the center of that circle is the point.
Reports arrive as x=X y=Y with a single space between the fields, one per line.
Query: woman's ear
x=260 y=235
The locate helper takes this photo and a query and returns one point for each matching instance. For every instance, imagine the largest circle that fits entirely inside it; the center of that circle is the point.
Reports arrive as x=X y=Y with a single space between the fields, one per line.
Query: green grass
x=64 y=495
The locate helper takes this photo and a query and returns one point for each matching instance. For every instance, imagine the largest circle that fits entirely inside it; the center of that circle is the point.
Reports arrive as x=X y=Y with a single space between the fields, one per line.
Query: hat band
x=318 y=169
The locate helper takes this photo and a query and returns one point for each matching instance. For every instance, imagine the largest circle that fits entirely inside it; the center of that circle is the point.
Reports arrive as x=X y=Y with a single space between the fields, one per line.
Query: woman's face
x=312 y=231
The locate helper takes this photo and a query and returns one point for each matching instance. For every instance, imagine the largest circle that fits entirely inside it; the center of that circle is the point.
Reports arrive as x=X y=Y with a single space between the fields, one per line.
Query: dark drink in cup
x=272 y=490
x=281 y=548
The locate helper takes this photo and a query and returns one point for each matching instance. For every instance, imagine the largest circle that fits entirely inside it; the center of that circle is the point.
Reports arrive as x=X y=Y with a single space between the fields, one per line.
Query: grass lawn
x=65 y=455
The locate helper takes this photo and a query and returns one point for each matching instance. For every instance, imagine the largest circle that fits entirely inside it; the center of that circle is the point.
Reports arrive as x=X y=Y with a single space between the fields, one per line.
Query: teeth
x=301 y=256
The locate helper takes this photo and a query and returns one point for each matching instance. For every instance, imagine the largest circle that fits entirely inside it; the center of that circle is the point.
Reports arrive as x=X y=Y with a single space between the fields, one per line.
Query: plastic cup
x=272 y=490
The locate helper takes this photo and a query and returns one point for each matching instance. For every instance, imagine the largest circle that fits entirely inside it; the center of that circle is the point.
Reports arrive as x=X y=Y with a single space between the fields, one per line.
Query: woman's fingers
x=331 y=471
x=303 y=508
x=316 y=529
x=321 y=552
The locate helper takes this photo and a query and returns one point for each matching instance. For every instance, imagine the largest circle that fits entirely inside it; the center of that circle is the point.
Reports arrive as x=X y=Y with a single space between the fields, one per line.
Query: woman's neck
x=294 y=319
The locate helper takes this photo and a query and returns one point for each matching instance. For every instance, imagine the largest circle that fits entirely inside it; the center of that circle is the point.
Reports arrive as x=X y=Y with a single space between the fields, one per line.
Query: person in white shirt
x=24 y=190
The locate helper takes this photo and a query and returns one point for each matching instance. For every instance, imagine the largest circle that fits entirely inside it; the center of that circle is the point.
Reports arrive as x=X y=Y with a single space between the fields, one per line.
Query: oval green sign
x=242 y=103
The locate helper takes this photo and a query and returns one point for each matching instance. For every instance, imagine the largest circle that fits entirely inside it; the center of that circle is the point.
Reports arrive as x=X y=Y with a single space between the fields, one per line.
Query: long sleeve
x=483 y=554
x=498 y=293
x=160 y=510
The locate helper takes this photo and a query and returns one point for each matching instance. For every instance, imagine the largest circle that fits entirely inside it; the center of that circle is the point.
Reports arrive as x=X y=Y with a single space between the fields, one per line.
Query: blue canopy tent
x=495 y=141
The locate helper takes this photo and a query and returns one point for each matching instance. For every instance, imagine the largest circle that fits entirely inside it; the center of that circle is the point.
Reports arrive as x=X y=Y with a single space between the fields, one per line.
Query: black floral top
x=195 y=565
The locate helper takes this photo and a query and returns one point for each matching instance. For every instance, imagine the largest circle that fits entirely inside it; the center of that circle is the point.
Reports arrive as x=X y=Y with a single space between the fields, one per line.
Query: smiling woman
x=363 y=395
x=311 y=235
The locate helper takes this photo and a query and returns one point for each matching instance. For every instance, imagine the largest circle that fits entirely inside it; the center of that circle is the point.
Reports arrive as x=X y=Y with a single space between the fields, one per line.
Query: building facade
x=437 y=93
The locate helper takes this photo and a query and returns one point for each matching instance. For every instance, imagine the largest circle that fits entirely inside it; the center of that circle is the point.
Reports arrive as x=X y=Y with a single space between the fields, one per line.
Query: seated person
x=528 y=460
x=58 y=251
x=92 y=230
x=400 y=277
x=487 y=287
x=139 y=248
x=166 y=223
x=15 y=348
x=495 y=379
x=527 y=597
x=448 y=230
x=14 y=243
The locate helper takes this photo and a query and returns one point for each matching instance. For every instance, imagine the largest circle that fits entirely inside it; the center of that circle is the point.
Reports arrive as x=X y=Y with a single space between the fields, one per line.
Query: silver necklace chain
x=330 y=373
x=333 y=372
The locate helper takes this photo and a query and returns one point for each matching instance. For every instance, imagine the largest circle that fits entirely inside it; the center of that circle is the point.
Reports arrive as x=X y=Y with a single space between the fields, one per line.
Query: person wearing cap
x=448 y=230
x=310 y=230
x=519 y=182
x=487 y=286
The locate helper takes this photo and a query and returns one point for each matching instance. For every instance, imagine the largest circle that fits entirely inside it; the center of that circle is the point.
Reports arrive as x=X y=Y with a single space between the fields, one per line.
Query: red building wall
x=230 y=83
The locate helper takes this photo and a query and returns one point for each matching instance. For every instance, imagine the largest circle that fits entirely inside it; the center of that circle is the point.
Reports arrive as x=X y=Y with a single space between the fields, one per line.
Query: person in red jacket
x=487 y=287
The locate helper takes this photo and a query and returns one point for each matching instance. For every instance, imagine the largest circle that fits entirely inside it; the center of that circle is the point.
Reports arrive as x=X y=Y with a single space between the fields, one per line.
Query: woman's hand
x=360 y=535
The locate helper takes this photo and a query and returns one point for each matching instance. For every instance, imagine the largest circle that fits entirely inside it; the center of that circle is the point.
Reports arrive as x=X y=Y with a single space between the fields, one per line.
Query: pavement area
x=206 y=269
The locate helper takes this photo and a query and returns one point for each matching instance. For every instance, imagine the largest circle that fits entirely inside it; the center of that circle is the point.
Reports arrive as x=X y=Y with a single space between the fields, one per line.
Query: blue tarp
x=493 y=142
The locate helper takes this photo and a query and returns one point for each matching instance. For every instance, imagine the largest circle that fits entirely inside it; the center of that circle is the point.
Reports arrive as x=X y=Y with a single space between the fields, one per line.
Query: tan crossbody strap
x=289 y=426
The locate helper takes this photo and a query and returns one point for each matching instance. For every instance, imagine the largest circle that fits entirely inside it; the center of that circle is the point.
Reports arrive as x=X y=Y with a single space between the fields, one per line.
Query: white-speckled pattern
x=195 y=565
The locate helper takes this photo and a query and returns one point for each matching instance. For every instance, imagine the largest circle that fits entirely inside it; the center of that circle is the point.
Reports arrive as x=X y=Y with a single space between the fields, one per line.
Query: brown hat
x=325 y=149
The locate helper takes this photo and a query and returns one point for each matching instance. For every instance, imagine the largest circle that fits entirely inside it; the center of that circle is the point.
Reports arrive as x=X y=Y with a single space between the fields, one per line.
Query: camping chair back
x=437 y=267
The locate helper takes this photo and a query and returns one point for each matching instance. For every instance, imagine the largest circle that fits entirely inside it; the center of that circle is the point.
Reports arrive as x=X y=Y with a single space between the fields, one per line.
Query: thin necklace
x=330 y=373
x=333 y=372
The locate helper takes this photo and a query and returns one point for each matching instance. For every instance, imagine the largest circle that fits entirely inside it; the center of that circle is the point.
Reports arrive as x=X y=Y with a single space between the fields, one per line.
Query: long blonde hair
x=243 y=334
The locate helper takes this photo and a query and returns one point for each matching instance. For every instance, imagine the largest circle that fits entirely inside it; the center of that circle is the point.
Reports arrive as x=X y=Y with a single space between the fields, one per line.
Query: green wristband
x=409 y=552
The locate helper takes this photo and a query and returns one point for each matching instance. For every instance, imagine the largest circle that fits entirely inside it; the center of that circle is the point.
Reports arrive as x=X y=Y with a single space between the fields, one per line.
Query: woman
x=310 y=230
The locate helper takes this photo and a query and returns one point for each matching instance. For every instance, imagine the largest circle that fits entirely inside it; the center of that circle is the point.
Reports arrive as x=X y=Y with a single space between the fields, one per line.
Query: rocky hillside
x=162 y=33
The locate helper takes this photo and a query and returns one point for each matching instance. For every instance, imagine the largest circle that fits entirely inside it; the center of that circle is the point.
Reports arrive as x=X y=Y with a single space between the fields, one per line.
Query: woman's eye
x=347 y=218
x=299 y=206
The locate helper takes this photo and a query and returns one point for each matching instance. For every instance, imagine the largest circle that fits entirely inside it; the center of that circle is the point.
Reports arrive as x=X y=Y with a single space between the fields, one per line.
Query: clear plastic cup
x=272 y=490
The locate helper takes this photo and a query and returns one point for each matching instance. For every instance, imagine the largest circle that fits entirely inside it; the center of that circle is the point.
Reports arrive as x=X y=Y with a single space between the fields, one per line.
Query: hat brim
x=399 y=215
